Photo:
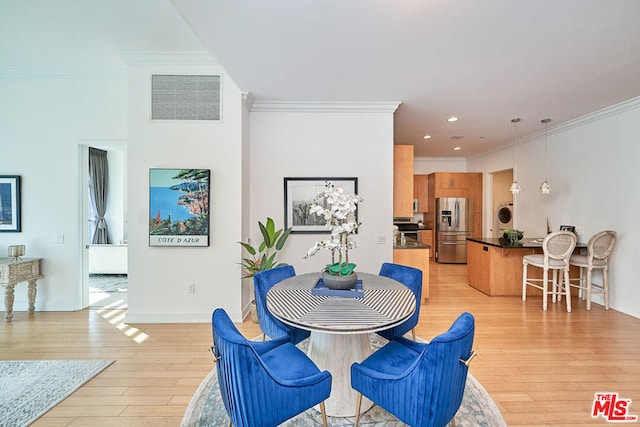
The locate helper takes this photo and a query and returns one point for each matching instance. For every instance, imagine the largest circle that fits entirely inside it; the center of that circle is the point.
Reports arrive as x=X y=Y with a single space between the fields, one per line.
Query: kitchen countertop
x=411 y=244
x=526 y=243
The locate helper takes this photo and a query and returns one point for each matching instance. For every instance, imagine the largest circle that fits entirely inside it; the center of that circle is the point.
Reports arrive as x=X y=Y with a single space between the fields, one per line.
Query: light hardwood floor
x=542 y=368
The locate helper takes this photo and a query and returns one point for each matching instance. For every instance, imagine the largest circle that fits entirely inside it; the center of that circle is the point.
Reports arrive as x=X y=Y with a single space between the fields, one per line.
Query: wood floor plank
x=541 y=368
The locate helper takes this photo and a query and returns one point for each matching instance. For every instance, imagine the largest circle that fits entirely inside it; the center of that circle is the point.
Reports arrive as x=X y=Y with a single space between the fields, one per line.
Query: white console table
x=13 y=272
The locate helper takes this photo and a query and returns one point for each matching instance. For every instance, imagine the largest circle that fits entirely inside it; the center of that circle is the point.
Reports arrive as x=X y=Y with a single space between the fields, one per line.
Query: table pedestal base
x=335 y=353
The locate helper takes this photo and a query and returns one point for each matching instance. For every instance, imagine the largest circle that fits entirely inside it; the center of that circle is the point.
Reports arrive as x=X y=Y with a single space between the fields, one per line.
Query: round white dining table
x=340 y=326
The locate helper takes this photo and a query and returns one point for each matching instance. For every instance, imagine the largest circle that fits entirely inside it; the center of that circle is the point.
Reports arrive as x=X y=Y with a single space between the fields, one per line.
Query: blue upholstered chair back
x=412 y=279
x=263 y=383
x=443 y=373
x=421 y=384
x=237 y=363
x=272 y=327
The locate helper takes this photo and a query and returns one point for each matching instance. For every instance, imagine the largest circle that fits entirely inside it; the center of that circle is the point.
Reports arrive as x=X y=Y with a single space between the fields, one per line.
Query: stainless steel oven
x=410 y=229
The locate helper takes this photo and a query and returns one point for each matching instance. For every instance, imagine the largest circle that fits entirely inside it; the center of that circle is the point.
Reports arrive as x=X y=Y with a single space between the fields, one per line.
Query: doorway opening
x=503 y=207
x=106 y=264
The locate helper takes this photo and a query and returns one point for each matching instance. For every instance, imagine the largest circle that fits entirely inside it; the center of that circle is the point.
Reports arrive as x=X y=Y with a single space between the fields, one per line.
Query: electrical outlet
x=190 y=288
x=380 y=239
x=57 y=239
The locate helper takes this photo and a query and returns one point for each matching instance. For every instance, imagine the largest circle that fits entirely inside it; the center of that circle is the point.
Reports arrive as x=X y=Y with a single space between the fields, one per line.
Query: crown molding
x=619 y=108
x=169 y=58
x=325 y=107
x=247 y=100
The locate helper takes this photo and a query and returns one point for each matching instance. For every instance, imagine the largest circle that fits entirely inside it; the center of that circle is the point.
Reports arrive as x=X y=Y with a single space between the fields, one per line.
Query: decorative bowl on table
x=339 y=282
x=513 y=236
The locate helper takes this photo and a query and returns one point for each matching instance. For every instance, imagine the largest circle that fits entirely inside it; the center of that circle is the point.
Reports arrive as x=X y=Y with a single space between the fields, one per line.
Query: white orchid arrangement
x=339 y=212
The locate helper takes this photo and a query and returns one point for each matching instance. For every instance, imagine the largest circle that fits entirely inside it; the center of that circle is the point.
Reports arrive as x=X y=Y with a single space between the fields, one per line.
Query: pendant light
x=545 y=187
x=515 y=187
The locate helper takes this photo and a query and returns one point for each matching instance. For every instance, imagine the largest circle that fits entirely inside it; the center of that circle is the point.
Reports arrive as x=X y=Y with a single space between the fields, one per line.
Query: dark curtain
x=98 y=180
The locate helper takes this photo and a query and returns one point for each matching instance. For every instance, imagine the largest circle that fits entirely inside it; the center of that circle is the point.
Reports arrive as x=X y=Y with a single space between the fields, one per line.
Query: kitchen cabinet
x=421 y=192
x=452 y=181
x=497 y=271
x=450 y=184
x=426 y=237
x=495 y=267
x=417 y=258
x=457 y=184
x=402 y=181
x=475 y=195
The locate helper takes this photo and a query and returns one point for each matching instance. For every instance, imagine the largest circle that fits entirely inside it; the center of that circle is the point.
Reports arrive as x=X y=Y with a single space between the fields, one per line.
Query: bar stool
x=598 y=249
x=557 y=248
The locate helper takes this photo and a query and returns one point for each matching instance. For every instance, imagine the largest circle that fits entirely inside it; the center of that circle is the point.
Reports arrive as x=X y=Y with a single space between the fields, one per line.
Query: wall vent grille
x=185 y=97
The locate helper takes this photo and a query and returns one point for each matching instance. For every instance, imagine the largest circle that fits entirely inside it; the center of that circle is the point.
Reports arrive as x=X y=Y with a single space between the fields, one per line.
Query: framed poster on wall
x=179 y=207
x=10 y=203
x=299 y=195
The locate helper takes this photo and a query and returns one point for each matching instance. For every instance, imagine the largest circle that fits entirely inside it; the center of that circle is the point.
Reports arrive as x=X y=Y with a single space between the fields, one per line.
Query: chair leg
x=556 y=295
x=264 y=336
x=605 y=286
x=524 y=281
x=324 y=414
x=358 y=408
x=589 y=279
x=567 y=289
x=545 y=288
x=230 y=423
x=413 y=334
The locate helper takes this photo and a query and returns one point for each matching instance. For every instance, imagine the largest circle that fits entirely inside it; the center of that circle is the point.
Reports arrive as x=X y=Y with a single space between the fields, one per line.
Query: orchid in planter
x=339 y=212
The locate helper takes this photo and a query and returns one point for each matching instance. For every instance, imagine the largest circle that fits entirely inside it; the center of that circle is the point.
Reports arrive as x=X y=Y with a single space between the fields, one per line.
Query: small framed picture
x=10 y=203
x=570 y=228
x=299 y=195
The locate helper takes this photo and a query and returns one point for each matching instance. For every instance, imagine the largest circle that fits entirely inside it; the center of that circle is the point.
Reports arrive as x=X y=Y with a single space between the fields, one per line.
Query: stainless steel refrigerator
x=454 y=223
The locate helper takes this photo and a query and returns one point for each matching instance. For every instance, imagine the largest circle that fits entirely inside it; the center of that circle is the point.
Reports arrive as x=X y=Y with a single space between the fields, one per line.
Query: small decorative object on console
x=16 y=251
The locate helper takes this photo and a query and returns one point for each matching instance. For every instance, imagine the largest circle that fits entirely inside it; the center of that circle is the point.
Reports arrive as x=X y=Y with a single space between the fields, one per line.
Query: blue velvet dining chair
x=412 y=279
x=265 y=383
x=270 y=326
x=421 y=384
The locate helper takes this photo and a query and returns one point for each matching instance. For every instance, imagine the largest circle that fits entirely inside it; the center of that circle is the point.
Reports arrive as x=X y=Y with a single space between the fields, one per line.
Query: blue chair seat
x=394 y=359
x=288 y=362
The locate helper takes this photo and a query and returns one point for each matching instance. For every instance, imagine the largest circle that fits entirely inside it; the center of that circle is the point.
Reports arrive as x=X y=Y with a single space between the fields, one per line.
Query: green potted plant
x=339 y=212
x=263 y=257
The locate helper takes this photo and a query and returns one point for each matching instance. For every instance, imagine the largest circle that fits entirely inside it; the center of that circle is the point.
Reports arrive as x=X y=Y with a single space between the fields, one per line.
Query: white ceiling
x=485 y=61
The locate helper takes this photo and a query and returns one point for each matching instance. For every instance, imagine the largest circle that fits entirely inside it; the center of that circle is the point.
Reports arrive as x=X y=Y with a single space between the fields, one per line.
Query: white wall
x=593 y=170
x=43 y=116
x=158 y=276
x=337 y=142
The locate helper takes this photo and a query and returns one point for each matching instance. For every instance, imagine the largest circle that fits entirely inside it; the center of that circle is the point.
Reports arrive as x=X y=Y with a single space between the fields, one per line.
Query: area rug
x=478 y=409
x=28 y=389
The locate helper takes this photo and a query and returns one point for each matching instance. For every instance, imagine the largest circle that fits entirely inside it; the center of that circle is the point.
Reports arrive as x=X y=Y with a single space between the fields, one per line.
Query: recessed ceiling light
x=452 y=119
x=427 y=137
x=457 y=148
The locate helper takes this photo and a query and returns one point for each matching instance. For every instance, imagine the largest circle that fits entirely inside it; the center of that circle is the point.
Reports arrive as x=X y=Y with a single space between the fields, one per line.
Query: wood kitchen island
x=494 y=265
